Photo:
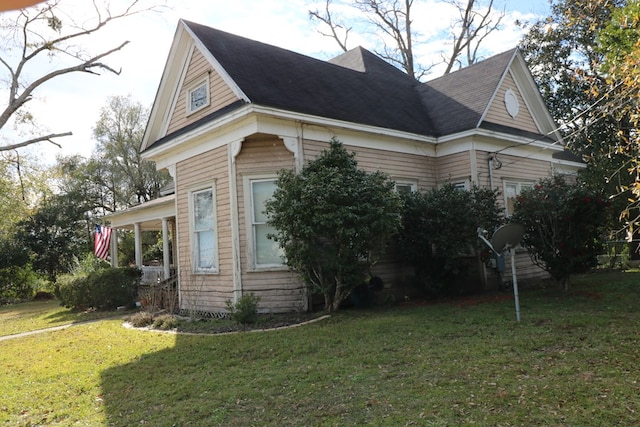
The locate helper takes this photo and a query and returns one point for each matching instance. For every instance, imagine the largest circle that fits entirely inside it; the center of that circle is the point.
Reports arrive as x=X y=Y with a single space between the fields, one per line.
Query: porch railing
x=160 y=296
x=151 y=274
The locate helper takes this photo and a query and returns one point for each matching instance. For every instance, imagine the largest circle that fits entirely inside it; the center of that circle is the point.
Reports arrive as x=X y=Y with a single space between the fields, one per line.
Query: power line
x=559 y=128
x=572 y=134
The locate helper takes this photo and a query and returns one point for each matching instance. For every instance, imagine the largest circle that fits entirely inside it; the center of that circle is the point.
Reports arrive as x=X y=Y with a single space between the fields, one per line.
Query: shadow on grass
x=172 y=387
x=397 y=366
x=72 y=316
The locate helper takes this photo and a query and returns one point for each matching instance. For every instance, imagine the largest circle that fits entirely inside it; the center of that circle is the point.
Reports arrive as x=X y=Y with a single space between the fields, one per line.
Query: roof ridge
x=511 y=53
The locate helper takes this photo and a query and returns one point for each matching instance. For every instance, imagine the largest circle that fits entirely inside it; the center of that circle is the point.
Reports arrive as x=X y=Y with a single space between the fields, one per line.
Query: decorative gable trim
x=496 y=90
x=215 y=64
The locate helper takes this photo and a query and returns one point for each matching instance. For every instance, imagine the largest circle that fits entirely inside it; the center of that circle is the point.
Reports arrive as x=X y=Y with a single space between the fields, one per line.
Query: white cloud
x=72 y=103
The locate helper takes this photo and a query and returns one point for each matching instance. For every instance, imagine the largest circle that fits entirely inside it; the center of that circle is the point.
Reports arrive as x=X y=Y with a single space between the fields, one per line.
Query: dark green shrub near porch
x=101 y=289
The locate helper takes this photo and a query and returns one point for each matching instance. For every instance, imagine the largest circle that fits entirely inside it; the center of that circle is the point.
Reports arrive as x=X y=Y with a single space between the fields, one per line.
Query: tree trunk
x=564 y=284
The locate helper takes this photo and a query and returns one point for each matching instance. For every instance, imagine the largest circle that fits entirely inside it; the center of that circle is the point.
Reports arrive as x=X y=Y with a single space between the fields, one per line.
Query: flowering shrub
x=564 y=224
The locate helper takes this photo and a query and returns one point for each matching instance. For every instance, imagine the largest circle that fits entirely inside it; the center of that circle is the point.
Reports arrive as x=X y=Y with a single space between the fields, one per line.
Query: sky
x=73 y=102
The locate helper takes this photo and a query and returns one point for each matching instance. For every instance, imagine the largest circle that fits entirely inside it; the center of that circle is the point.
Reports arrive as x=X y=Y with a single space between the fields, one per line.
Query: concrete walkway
x=56 y=328
x=126 y=325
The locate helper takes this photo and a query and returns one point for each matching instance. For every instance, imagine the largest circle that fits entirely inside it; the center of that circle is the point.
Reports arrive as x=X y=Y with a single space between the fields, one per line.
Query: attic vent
x=511 y=103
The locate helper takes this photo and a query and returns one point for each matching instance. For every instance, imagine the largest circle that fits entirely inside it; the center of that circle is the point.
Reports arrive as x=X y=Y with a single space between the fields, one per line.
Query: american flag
x=102 y=241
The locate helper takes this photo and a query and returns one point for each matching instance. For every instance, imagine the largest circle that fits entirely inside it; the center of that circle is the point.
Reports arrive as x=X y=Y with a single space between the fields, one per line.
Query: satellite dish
x=509 y=235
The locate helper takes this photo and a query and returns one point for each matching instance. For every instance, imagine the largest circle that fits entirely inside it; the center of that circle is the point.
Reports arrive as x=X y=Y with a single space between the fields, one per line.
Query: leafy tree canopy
x=567 y=64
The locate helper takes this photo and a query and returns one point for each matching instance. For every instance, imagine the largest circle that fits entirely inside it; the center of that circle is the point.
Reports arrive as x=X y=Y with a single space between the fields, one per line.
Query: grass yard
x=572 y=361
x=40 y=315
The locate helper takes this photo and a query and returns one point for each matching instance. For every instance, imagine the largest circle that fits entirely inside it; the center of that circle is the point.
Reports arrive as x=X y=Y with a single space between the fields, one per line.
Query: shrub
x=17 y=283
x=564 y=224
x=100 y=289
x=333 y=220
x=438 y=228
x=141 y=319
x=89 y=264
x=165 y=322
x=245 y=311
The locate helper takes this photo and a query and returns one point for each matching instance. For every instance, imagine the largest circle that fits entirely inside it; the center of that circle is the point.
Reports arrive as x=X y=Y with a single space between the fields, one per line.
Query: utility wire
x=573 y=120
x=572 y=134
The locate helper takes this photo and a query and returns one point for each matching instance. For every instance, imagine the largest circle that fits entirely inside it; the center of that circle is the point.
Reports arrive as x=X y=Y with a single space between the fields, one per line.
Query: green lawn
x=43 y=314
x=572 y=361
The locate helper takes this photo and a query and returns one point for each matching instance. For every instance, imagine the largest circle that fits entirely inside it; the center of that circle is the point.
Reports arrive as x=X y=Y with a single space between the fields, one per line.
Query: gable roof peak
x=465 y=93
x=270 y=76
x=364 y=61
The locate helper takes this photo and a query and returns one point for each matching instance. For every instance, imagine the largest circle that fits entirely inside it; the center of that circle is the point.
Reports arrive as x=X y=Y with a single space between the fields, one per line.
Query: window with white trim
x=203 y=231
x=265 y=252
x=198 y=96
x=460 y=185
x=404 y=186
x=512 y=190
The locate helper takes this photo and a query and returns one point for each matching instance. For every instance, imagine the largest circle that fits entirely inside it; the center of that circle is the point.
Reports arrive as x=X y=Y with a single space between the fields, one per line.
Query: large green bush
x=438 y=228
x=17 y=283
x=332 y=220
x=100 y=289
x=564 y=226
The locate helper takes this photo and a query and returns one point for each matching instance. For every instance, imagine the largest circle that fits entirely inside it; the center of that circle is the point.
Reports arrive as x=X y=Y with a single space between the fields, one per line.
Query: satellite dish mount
x=505 y=239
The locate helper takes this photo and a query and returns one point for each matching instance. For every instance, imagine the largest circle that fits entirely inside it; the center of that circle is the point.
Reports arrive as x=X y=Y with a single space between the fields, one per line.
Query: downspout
x=490 y=161
x=234 y=150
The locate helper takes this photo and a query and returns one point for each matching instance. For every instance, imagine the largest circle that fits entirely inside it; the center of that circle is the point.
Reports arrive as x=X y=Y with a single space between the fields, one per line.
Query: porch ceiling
x=149 y=215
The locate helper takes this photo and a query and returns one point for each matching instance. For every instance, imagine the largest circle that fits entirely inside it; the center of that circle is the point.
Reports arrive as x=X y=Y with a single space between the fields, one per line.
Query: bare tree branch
x=470 y=30
x=34 y=141
x=394 y=19
x=33 y=44
x=328 y=19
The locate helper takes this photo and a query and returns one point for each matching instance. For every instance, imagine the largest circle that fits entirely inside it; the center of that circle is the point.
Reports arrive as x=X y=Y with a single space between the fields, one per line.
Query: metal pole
x=515 y=282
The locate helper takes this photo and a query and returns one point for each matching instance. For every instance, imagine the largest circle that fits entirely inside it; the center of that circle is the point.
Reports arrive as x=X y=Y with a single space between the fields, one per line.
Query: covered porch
x=156 y=215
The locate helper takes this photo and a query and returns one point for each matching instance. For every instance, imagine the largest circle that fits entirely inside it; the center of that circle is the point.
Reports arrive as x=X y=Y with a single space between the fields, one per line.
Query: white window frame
x=461 y=185
x=193 y=232
x=412 y=185
x=519 y=185
x=200 y=83
x=251 y=224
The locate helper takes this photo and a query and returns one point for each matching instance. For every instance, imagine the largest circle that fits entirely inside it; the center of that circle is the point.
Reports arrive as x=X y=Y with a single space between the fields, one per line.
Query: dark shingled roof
x=274 y=77
x=357 y=87
x=457 y=100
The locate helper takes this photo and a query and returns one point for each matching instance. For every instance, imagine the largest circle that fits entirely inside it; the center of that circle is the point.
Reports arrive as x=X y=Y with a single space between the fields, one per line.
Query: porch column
x=138 y=243
x=166 y=260
x=114 y=248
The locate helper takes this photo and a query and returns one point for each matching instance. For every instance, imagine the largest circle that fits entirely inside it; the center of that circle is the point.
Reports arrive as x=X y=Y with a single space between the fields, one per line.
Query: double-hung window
x=265 y=252
x=512 y=190
x=203 y=231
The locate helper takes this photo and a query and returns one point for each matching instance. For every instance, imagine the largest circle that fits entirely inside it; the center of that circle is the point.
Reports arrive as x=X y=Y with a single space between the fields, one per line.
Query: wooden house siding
x=454 y=168
x=402 y=167
x=521 y=169
x=497 y=112
x=279 y=289
x=205 y=292
x=220 y=95
x=482 y=169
